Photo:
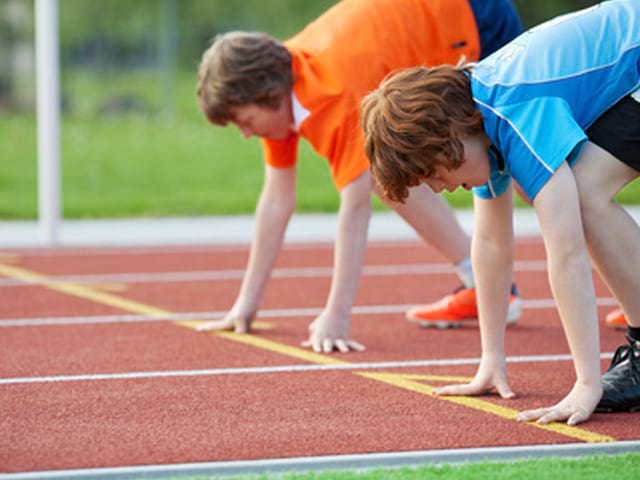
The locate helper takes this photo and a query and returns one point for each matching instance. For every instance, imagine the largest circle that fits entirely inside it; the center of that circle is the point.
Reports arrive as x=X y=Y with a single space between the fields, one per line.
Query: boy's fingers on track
x=328 y=345
x=342 y=345
x=504 y=390
x=578 y=417
x=552 y=416
x=358 y=347
x=528 y=415
x=316 y=346
x=223 y=324
x=548 y=415
x=467 y=389
x=241 y=328
x=541 y=415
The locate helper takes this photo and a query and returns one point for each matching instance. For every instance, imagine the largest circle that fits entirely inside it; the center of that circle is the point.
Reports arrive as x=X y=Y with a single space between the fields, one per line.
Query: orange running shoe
x=616 y=319
x=459 y=307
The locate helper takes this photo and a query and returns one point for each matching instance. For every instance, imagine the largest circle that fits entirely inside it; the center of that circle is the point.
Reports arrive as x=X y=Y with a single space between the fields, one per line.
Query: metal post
x=167 y=51
x=48 y=111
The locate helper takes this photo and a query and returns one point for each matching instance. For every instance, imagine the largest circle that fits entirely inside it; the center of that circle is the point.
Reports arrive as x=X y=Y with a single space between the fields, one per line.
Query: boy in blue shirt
x=558 y=111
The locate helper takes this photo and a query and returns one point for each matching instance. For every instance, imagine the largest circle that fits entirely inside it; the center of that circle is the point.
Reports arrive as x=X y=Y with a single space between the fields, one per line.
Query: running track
x=101 y=368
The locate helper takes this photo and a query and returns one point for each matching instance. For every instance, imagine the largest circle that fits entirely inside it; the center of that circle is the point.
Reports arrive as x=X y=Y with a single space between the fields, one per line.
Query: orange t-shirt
x=347 y=51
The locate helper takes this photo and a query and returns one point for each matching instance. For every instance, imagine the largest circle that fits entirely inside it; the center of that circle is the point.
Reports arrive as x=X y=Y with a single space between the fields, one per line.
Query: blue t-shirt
x=540 y=92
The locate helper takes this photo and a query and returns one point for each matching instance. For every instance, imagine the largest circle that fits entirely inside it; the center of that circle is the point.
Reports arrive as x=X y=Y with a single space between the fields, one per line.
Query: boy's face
x=474 y=171
x=260 y=121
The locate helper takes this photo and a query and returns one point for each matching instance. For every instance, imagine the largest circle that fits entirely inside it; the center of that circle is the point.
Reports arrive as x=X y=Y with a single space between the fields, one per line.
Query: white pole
x=48 y=111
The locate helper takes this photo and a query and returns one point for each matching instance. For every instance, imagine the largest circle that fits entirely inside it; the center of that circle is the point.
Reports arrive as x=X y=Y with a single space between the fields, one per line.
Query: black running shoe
x=621 y=383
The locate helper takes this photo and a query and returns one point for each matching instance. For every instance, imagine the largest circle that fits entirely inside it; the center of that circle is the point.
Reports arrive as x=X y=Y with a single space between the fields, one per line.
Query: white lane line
x=281 y=369
x=212 y=248
x=152 y=250
x=237 y=274
x=533 y=304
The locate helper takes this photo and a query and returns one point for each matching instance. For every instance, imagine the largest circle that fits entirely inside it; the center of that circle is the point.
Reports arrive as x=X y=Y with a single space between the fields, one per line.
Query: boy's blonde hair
x=414 y=122
x=242 y=68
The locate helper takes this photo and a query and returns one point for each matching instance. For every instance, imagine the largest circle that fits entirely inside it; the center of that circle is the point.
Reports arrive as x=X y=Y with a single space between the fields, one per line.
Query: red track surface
x=47 y=423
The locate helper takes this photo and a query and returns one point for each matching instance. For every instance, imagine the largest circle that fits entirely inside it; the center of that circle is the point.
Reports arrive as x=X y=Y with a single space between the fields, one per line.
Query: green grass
x=150 y=164
x=145 y=164
x=601 y=467
x=138 y=167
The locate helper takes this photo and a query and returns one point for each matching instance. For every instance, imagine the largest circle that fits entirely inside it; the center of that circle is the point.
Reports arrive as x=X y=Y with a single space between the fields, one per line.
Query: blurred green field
x=152 y=163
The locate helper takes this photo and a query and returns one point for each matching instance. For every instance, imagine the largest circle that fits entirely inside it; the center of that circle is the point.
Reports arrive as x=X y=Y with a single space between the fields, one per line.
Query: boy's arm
x=492 y=255
x=275 y=207
x=331 y=329
x=558 y=210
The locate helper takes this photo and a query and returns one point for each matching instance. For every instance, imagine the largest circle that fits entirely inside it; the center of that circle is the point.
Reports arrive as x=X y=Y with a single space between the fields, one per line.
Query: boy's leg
x=432 y=218
x=434 y=221
x=605 y=166
x=612 y=235
x=618 y=132
x=617 y=135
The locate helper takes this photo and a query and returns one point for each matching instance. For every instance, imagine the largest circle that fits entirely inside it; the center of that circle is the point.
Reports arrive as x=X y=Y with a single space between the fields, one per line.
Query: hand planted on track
x=327 y=334
x=232 y=321
x=491 y=376
x=575 y=408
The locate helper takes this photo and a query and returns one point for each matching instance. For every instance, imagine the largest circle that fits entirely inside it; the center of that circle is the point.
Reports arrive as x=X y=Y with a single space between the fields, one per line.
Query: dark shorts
x=618 y=131
x=498 y=23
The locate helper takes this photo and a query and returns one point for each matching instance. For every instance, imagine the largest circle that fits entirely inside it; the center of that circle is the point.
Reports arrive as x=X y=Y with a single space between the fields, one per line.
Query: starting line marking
x=410 y=382
x=294 y=352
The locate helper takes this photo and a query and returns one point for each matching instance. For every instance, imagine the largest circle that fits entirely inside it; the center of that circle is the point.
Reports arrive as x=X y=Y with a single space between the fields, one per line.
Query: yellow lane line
x=264 y=344
x=82 y=292
x=437 y=378
x=108 y=286
x=9 y=258
x=407 y=382
x=260 y=325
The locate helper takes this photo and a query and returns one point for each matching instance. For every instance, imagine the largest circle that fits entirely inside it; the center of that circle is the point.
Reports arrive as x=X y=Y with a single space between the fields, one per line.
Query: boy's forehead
x=241 y=111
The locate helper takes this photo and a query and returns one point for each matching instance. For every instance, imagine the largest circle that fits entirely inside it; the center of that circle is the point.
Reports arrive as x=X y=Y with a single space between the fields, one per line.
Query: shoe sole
x=447 y=324
x=438 y=324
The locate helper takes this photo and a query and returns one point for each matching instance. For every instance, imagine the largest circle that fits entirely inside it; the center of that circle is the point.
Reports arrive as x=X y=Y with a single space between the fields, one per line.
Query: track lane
x=380 y=329
x=180 y=420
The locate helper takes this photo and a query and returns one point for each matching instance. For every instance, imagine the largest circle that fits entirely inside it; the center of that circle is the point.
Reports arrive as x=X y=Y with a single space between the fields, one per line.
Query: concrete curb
x=385 y=226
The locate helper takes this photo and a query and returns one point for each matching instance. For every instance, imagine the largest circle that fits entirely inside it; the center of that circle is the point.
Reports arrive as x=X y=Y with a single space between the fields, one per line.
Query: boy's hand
x=491 y=376
x=575 y=408
x=327 y=333
x=232 y=321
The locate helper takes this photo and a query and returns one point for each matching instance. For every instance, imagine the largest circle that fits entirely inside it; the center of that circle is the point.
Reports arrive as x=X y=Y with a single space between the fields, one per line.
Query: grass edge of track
x=601 y=467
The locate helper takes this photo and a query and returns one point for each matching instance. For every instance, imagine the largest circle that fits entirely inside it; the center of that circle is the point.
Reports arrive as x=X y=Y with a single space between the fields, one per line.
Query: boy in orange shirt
x=310 y=86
